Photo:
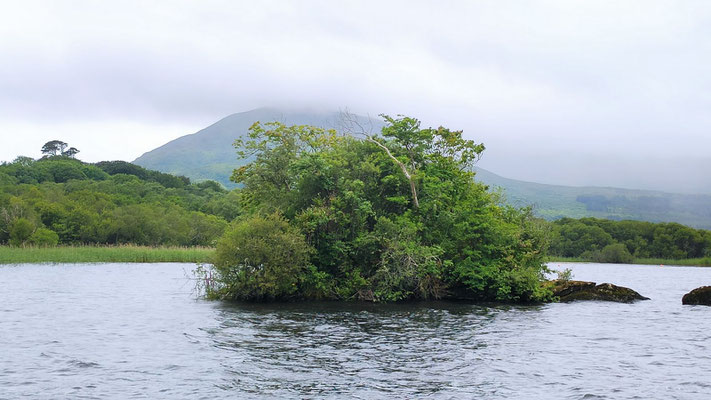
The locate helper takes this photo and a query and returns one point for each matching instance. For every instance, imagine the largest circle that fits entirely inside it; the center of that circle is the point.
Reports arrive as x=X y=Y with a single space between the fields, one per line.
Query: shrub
x=20 y=231
x=564 y=275
x=612 y=253
x=260 y=258
x=44 y=237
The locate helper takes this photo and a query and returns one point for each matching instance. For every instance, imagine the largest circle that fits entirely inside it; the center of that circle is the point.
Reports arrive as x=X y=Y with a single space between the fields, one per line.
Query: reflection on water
x=135 y=331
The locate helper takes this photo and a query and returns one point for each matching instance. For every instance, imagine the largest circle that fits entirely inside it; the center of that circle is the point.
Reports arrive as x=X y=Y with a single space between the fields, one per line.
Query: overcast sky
x=571 y=92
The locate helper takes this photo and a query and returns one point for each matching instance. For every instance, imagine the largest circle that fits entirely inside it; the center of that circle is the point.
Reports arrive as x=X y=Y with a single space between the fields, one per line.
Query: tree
x=390 y=217
x=54 y=147
x=413 y=147
x=70 y=152
x=20 y=231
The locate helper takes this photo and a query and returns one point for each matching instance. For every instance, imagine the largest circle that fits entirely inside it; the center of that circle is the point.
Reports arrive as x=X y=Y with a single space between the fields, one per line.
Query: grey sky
x=570 y=92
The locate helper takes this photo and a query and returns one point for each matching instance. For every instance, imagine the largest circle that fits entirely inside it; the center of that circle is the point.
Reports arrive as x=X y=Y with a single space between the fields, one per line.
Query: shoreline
x=691 y=262
x=197 y=254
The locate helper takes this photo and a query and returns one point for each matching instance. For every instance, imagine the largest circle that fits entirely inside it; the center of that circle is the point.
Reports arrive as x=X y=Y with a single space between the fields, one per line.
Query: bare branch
x=352 y=126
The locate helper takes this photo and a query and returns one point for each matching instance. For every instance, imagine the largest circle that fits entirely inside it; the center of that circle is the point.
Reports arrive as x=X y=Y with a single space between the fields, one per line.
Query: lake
x=137 y=331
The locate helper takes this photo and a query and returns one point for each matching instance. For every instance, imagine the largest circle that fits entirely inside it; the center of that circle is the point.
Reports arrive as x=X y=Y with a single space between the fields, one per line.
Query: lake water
x=137 y=331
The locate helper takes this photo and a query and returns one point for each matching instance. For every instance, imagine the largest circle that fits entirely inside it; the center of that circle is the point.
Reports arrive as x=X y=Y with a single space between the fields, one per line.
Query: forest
x=602 y=240
x=61 y=200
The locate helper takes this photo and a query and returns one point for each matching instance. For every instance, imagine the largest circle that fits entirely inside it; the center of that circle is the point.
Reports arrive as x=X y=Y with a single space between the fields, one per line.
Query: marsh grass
x=90 y=254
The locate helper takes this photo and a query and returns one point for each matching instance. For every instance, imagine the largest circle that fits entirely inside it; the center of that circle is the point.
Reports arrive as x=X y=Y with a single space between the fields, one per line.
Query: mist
x=599 y=93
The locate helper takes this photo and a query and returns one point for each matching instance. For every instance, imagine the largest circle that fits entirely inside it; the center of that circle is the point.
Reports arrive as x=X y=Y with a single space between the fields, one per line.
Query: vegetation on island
x=382 y=217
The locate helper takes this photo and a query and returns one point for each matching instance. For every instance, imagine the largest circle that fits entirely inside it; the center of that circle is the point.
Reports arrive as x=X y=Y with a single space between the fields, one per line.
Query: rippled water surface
x=136 y=331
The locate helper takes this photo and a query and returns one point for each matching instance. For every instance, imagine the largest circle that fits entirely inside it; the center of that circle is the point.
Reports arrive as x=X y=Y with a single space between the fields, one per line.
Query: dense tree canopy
x=64 y=201
x=589 y=237
x=388 y=217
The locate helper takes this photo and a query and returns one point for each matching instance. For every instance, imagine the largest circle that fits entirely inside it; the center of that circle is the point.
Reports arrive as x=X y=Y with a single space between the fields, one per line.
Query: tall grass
x=87 y=254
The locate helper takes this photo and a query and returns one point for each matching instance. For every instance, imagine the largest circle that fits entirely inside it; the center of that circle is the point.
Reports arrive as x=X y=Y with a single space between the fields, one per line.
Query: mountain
x=555 y=201
x=209 y=154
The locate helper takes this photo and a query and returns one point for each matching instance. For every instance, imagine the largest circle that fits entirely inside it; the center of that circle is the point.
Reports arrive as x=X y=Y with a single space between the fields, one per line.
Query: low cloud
x=544 y=83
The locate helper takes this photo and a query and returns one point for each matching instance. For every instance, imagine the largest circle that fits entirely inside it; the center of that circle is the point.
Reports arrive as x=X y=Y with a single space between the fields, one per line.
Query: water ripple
x=135 y=331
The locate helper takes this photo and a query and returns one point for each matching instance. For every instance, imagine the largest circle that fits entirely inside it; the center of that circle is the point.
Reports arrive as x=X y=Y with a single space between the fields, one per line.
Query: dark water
x=136 y=331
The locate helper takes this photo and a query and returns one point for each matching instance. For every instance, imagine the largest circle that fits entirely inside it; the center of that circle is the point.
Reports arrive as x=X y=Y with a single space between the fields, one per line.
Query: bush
x=260 y=258
x=564 y=275
x=613 y=253
x=20 y=231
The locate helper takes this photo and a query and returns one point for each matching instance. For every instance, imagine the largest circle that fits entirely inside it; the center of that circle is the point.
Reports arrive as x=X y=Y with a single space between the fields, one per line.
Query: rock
x=565 y=288
x=580 y=290
x=698 y=296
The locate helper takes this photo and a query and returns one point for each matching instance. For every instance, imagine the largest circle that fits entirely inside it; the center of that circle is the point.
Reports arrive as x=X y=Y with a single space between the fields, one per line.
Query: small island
x=388 y=216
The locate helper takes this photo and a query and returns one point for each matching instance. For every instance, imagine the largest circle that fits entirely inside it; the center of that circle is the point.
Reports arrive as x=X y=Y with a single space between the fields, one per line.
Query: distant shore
x=689 y=262
x=198 y=254
x=92 y=254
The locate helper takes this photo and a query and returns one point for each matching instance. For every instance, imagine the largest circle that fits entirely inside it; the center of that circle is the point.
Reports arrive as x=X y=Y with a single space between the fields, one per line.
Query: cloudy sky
x=613 y=93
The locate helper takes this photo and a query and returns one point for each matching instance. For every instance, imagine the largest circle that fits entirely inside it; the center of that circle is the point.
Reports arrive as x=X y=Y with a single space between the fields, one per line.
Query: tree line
x=65 y=201
x=604 y=240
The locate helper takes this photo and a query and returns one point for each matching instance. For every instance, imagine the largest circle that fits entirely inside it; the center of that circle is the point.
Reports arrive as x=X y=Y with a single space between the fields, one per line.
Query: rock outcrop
x=698 y=296
x=580 y=290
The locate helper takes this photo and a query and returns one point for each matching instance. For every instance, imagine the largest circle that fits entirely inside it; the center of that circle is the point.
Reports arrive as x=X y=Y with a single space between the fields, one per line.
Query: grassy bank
x=690 y=262
x=88 y=254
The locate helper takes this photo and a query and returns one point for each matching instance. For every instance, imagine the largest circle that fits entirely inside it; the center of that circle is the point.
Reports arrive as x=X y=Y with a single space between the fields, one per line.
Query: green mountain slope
x=554 y=201
x=208 y=154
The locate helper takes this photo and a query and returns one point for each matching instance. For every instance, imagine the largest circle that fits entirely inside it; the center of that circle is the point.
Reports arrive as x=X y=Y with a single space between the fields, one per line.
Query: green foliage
x=389 y=217
x=576 y=237
x=93 y=254
x=20 y=231
x=82 y=204
x=612 y=253
x=122 y=167
x=44 y=237
x=623 y=241
x=564 y=275
x=261 y=258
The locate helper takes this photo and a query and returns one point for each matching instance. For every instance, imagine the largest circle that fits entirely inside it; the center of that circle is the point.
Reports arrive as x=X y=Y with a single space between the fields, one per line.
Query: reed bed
x=93 y=254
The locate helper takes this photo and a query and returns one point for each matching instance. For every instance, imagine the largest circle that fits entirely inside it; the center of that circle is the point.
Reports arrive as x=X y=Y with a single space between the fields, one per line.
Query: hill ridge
x=208 y=154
